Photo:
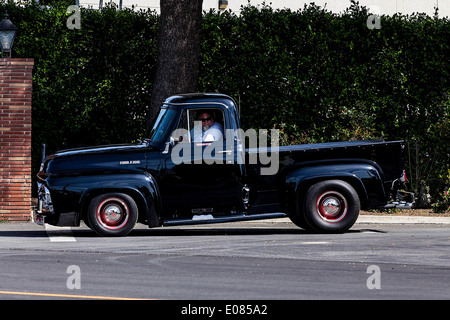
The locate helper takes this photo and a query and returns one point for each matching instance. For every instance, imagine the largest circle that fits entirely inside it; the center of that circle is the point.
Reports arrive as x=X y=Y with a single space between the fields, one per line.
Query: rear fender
x=363 y=177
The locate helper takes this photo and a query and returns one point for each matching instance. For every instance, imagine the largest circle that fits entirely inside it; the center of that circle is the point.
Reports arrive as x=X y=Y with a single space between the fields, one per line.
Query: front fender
x=364 y=177
x=68 y=197
x=142 y=187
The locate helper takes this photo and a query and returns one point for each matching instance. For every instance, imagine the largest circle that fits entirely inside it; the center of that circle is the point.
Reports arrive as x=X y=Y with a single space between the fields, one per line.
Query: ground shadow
x=141 y=231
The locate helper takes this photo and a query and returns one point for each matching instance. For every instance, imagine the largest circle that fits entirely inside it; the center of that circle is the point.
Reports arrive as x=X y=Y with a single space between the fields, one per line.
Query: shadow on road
x=84 y=232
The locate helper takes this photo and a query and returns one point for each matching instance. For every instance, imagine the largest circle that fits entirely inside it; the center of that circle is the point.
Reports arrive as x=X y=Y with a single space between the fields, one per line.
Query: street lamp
x=223 y=4
x=7 y=35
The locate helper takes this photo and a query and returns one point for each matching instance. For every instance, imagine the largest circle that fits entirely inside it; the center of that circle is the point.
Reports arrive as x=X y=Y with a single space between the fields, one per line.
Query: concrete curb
x=402 y=219
x=375 y=219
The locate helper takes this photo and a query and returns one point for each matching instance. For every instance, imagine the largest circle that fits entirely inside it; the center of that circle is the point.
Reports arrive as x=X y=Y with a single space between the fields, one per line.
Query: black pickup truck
x=172 y=179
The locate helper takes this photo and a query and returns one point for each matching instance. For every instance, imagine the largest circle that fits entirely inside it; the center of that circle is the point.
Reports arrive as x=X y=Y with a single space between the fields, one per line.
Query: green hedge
x=90 y=86
x=316 y=75
x=321 y=76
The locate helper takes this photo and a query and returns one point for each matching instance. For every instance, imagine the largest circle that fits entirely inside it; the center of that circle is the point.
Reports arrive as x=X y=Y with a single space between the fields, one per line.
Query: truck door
x=201 y=177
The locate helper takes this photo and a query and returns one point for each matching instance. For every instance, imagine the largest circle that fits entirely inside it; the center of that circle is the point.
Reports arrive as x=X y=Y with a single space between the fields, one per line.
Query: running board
x=204 y=219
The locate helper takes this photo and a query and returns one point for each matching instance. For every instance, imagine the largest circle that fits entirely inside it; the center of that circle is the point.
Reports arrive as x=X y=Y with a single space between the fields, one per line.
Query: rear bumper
x=403 y=200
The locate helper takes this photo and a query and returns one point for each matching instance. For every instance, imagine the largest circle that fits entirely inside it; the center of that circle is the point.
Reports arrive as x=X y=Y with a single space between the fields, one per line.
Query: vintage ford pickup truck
x=172 y=179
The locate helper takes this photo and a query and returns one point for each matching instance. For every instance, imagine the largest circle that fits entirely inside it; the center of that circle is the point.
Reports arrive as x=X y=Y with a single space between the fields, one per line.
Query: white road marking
x=59 y=234
x=315 y=242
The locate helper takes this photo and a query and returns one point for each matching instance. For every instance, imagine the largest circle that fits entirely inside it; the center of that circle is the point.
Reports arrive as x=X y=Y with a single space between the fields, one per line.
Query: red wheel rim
x=331 y=206
x=112 y=213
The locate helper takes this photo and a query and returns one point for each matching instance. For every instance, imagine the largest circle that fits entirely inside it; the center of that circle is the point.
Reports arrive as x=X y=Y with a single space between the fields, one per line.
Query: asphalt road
x=240 y=261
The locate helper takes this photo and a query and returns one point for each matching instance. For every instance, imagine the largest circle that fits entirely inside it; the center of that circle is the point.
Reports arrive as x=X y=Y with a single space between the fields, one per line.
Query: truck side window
x=182 y=129
x=190 y=119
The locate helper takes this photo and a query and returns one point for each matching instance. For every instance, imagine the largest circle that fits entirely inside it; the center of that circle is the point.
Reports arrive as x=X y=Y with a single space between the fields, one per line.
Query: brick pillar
x=15 y=139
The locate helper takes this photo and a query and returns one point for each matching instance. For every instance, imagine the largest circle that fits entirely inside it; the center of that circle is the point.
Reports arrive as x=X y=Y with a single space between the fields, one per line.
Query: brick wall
x=15 y=139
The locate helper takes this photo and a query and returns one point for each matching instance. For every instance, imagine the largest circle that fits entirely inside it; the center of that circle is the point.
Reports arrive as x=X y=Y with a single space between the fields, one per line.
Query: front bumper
x=44 y=211
x=38 y=217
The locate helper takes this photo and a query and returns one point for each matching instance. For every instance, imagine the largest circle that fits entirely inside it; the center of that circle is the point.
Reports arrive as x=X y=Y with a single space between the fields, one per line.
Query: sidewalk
x=393 y=219
x=386 y=219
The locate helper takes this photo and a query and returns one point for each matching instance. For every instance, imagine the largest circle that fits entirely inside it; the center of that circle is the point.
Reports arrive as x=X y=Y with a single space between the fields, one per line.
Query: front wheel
x=331 y=206
x=112 y=214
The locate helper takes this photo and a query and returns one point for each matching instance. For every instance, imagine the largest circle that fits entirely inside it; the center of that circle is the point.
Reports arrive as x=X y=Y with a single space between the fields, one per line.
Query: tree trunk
x=178 y=51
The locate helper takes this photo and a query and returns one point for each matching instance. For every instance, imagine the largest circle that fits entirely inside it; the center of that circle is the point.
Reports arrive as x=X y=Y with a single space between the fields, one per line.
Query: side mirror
x=171 y=143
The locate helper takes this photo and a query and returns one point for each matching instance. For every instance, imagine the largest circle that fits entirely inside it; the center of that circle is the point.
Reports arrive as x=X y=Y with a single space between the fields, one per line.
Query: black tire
x=330 y=206
x=112 y=214
x=298 y=218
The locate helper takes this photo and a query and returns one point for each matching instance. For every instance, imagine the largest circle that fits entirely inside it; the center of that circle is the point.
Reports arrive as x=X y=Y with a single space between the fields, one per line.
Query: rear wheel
x=330 y=206
x=112 y=214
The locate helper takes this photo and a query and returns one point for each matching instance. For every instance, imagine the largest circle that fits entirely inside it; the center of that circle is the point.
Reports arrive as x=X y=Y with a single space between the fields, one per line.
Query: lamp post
x=7 y=35
x=223 y=4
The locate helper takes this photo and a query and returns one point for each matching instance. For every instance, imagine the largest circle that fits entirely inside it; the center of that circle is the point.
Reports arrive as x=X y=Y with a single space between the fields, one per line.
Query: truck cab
x=195 y=177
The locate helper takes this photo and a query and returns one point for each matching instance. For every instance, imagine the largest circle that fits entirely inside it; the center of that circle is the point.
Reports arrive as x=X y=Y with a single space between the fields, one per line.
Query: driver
x=210 y=130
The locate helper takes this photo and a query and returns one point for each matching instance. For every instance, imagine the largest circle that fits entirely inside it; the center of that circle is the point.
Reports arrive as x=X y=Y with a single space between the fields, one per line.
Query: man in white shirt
x=210 y=130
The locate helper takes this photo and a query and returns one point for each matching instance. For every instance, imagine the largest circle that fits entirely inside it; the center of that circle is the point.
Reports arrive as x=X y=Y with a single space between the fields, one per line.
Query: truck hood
x=97 y=159
x=105 y=149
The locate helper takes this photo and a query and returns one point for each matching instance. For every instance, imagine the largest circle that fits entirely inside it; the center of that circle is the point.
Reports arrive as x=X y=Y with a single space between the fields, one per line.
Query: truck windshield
x=162 y=124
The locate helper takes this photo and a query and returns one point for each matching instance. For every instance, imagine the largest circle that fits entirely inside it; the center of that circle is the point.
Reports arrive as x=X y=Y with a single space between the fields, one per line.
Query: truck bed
x=385 y=155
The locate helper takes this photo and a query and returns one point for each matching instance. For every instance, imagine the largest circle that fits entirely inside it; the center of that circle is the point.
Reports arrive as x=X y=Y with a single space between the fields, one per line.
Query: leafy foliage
x=90 y=85
x=320 y=76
